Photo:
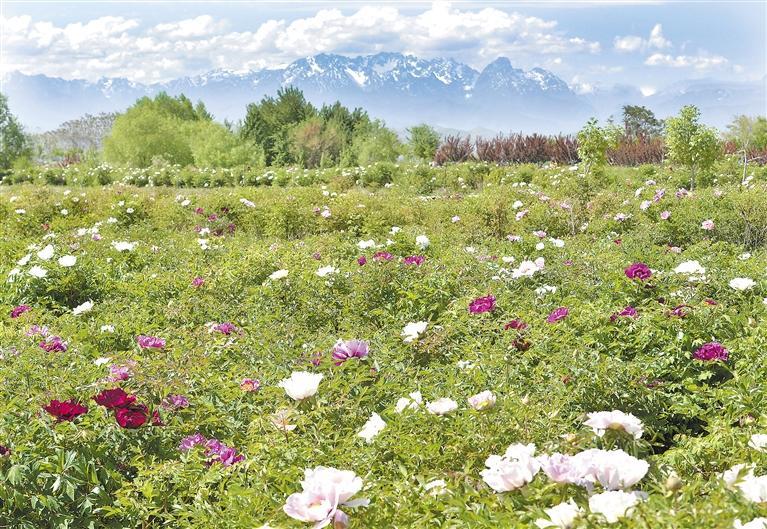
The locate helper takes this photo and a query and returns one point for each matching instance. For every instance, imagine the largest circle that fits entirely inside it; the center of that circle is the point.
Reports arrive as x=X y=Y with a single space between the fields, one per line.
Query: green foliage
x=640 y=122
x=594 y=142
x=690 y=143
x=423 y=141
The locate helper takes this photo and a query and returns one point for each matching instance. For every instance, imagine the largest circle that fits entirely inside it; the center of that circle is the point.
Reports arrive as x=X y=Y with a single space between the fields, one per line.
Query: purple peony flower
x=18 y=311
x=711 y=352
x=344 y=351
x=516 y=324
x=226 y=328
x=558 y=314
x=176 y=402
x=638 y=271
x=383 y=256
x=150 y=342
x=121 y=372
x=362 y=260
x=189 y=442
x=198 y=282
x=480 y=305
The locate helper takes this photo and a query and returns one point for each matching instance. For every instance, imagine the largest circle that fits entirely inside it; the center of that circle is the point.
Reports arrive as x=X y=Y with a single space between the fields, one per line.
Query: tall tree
x=640 y=122
x=13 y=142
x=691 y=143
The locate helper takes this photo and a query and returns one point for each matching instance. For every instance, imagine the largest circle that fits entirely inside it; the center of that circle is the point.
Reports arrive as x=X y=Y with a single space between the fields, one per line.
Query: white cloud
x=632 y=43
x=698 y=62
x=122 y=47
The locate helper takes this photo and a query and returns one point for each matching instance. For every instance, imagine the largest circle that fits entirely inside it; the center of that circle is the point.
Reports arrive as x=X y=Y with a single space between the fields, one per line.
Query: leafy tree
x=640 y=122
x=375 y=143
x=269 y=123
x=13 y=142
x=77 y=136
x=747 y=133
x=423 y=141
x=317 y=143
x=213 y=145
x=594 y=142
x=691 y=143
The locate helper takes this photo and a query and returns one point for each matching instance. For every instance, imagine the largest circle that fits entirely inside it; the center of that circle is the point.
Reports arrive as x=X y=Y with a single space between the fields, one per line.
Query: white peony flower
x=562 y=516
x=742 y=283
x=363 y=245
x=406 y=403
x=326 y=271
x=600 y=421
x=67 y=260
x=46 y=253
x=482 y=401
x=422 y=241
x=758 y=442
x=756 y=523
x=372 y=427
x=83 y=308
x=614 y=504
x=436 y=487
x=279 y=274
x=38 y=272
x=124 y=246
x=413 y=330
x=754 y=488
x=692 y=269
x=442 y=406
x=324 y=490
x=301 y=384
x=515 y=469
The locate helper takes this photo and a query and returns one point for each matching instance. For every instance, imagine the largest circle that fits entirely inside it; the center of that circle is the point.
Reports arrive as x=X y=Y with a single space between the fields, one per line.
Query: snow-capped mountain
x=401 y=89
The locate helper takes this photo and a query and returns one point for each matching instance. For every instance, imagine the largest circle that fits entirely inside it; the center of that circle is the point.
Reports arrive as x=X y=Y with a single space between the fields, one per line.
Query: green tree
x=375 y=143
x=594 y=142
x=13 y=142
x=691 y=143
x=213 y=145
x=640 y=122
x=316 y=143
x=269 y=123
x=423 y=141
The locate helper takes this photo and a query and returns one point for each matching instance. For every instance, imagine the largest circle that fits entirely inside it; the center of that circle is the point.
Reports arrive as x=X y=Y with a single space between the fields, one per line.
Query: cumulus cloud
x=123 y=47
x=698 y=62
x=632 y=43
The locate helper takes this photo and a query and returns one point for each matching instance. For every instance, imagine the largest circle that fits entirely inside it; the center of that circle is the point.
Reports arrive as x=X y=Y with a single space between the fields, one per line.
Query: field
x=560 y=295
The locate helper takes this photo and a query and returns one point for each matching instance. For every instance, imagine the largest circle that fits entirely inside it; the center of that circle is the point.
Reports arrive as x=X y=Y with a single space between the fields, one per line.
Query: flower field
x=539 y=351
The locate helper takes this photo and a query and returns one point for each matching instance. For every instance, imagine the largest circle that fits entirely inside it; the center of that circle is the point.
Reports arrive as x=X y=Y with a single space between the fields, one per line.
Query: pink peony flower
x=665 y=215
x=558 y=314
x=707 y=225
x=226 y=328
x=121 y=372
x=190 y=441
x=198 y=282
x=150 y=342
x=175 y=402
x=344 y=351
x=324 y=490
x=711 y=352
x=250 y=384
x=638 y=271
x=480 y=305
x=383 y=256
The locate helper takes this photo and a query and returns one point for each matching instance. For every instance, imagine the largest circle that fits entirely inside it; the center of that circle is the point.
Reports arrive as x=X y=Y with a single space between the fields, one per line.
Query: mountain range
x=403 y=90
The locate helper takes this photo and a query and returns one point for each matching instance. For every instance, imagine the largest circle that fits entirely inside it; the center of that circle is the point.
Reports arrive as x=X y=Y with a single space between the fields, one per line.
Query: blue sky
x=647 y=44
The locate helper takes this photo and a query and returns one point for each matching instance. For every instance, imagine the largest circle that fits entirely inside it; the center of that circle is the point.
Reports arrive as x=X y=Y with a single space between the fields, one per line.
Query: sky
x=648 y=44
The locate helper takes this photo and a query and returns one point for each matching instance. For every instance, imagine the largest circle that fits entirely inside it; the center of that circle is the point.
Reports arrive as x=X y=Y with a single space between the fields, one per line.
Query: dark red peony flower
x=133 y=416
x=67 y=410
x=628 y=312
x=4 y=451
x=114 y=398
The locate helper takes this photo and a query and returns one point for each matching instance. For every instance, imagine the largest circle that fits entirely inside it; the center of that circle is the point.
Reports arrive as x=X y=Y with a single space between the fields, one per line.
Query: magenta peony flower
x=638 y=271
x=190 y=441
x=480 y=305
x=558 y=314
x=362 y=260
x=198 y=282
x=114 y=398
x=383 y=256
x=344 y=351
x=67 y=410
x=628 y=312
x=414 y=260
x=54 y=344
x=150 y=342
x=250 y=384
x=711 y=352
x=678 y=311
x=18 y=311
x=220 y=453
x=226 y=328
